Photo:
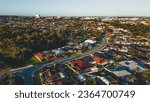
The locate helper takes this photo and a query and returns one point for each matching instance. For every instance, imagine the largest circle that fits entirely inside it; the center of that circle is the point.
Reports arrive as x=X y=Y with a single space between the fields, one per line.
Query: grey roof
x=132 y=65
x=121 y=73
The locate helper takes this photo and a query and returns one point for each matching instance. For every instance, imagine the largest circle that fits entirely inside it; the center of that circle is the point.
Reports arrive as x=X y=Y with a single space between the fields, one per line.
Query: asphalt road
x=27 y=73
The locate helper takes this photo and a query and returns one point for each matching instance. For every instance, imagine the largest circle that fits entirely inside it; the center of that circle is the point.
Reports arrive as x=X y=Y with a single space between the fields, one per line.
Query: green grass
x=98 y=73
x=74 y=54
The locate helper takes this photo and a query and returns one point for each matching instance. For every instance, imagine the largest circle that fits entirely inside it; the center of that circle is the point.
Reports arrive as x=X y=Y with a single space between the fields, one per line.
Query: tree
x=90 y=81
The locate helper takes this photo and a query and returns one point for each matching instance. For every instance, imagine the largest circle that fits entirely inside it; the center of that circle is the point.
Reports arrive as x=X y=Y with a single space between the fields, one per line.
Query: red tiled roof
x=73 y=62
x=39 y=55
x=82 y=65
x=42 y=55
x=48 y=54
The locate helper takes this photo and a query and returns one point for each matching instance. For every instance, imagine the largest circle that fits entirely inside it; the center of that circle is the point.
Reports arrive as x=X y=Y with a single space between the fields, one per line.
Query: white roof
x=81 y=77
x=148 y=63
x=105 y=80
x=37 y=16
x=90 y=41
x=61 y=75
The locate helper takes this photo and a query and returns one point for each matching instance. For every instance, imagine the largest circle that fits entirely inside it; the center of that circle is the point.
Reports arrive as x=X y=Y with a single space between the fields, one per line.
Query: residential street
x=27 y=73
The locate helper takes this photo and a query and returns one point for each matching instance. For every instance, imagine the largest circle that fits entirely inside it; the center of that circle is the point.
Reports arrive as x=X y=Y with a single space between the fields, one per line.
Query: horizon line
x=75 y=15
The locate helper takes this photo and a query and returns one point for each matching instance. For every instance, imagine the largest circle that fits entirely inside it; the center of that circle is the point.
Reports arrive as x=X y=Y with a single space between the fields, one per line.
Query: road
x=27 y=73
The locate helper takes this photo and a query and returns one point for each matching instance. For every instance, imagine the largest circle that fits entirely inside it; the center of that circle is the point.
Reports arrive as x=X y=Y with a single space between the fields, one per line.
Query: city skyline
x=75 y=7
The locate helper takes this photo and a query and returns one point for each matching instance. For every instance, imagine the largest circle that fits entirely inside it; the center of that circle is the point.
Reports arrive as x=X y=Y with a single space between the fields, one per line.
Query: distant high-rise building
x=37 y=16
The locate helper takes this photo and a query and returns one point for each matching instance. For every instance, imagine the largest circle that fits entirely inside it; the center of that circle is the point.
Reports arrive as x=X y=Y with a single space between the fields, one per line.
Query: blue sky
x=75 y=7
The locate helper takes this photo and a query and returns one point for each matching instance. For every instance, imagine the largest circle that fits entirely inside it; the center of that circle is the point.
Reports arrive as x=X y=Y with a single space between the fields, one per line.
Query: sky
x=75 y=7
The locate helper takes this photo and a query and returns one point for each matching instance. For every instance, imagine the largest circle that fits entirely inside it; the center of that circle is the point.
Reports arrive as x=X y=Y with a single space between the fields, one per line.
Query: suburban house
x=89 y=60
x=59 y=51
x=121 y=73
x=81 y=78
x=132 y=66
x=88 y=43
x=99 y=60
x=107 y=80
x=46 y=77
x=41 y=55
x=79 y=64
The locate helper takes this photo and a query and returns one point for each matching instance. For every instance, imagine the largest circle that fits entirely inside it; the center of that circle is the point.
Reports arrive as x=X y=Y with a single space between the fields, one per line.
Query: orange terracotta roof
x=99 y=60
